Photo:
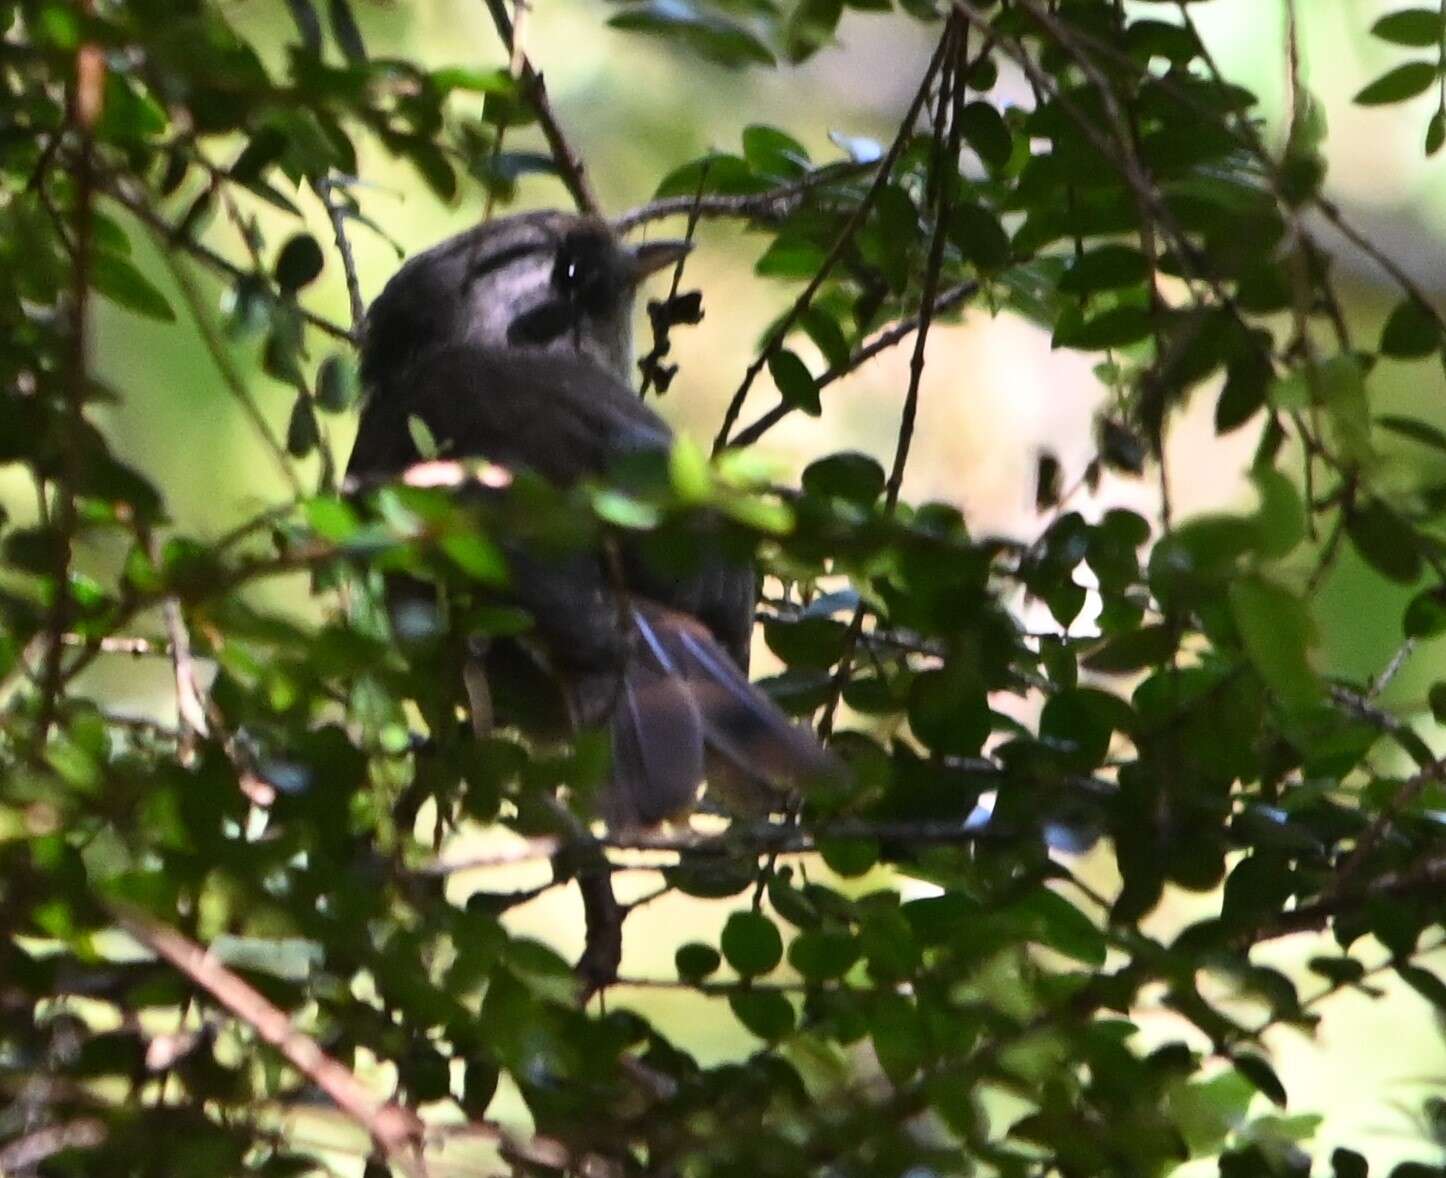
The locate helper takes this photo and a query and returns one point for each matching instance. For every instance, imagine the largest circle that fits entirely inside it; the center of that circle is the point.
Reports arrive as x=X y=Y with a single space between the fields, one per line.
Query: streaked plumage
x=511 y=342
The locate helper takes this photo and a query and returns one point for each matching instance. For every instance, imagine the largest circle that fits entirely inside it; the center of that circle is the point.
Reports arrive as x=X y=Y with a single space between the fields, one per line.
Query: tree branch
x=945 y=302
x=777 y=204
x=569 y=164
x=851 y=226
x=336 y=213
x=396 y=1130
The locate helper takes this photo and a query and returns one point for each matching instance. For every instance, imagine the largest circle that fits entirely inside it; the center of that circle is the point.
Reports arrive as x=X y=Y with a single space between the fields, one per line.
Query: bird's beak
x=652 y=256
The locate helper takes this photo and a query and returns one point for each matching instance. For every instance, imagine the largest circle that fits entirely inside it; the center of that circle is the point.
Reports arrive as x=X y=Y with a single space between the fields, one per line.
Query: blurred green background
x=994 y=396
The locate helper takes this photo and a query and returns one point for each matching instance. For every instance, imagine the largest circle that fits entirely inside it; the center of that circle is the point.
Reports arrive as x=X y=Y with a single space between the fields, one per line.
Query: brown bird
x=513 y=342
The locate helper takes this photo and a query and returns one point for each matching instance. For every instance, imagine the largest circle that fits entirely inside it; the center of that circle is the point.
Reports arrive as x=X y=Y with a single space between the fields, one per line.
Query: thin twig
x=230 y=377
x=396 y=1130
x=945 y=302
x=777 y=204
x=569 y=164
x=139 y=207
x=190 y=706
x=336 y=212
x=85 y=97
x=846 y=234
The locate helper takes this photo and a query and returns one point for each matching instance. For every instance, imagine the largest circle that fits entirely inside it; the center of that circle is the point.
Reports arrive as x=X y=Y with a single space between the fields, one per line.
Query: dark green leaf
x=986 y=132
x=855 y=477
x=695 y=960
x=1417 y=28
x=751 y=943
x=1262 y=1075
x=794 y=382
x=766 y=1013
x=1385 y=541
x=1276 y=630
x=708 y=32
x=1134 y=650
x=1397 y=85
x=118 y=280
x=299 y=263
x=302 y=434
x=1411 y=332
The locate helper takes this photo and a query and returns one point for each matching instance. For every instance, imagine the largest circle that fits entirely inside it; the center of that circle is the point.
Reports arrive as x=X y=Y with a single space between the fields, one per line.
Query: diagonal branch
x=944 y=302
x=569 y=164
x=396 y=1130
x=846 y=235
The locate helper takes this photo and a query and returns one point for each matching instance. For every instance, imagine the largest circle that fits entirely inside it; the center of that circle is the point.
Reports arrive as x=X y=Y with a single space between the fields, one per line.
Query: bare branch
x=336 y=212
x=396 y=1130
x=945 y=302
x=138 y=207
x=851 y=226
x=569 y=164
x=777 y=204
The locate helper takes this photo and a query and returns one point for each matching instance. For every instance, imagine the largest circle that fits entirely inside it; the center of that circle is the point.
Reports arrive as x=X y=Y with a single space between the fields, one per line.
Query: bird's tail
x=683 y=702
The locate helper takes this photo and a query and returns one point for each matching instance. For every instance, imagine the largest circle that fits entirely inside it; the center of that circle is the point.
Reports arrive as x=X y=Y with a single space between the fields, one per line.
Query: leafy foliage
x=291 y=820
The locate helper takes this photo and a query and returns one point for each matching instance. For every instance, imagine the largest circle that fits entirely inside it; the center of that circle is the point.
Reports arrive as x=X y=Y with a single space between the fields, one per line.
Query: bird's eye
x=581 y=272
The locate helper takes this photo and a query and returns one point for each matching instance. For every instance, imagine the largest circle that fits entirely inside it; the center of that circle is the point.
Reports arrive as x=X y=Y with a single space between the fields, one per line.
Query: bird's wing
x=561 y=416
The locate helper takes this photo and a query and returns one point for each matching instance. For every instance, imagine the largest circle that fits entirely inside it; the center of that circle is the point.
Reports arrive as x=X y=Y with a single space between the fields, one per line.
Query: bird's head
x=546 y=281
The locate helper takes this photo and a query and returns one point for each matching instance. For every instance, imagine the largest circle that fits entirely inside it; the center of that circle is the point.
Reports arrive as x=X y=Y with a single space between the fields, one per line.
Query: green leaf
x=1415 y=429
x=1107 y=267
x=422 y=438
x=794 y=382
x=1116 y=328
x=1050 y=920
x=855 y=477
x=707 y=32
x=302 y=433
x=1425 y=616
x=1280 y=522
x=336 y=383
x=1412 y=331
x=1397 y=85
x=986 y=132
x=810 y=27
x=476 y=556
x=124 y=285
x=771 y=152
x=751 y=943
x=1134 y=650
x=299 y=262
x=849 y=857
x=695 y=961
x=1262 y=1075
x=822 y=954
x=1341 y=386
x=1385 y=541
x=979 y=237
x=766 y=1013
x=1276 y=631
x=1347 y=1163
x=1435 y=132
x=1417 y=28
x=897 y=1030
